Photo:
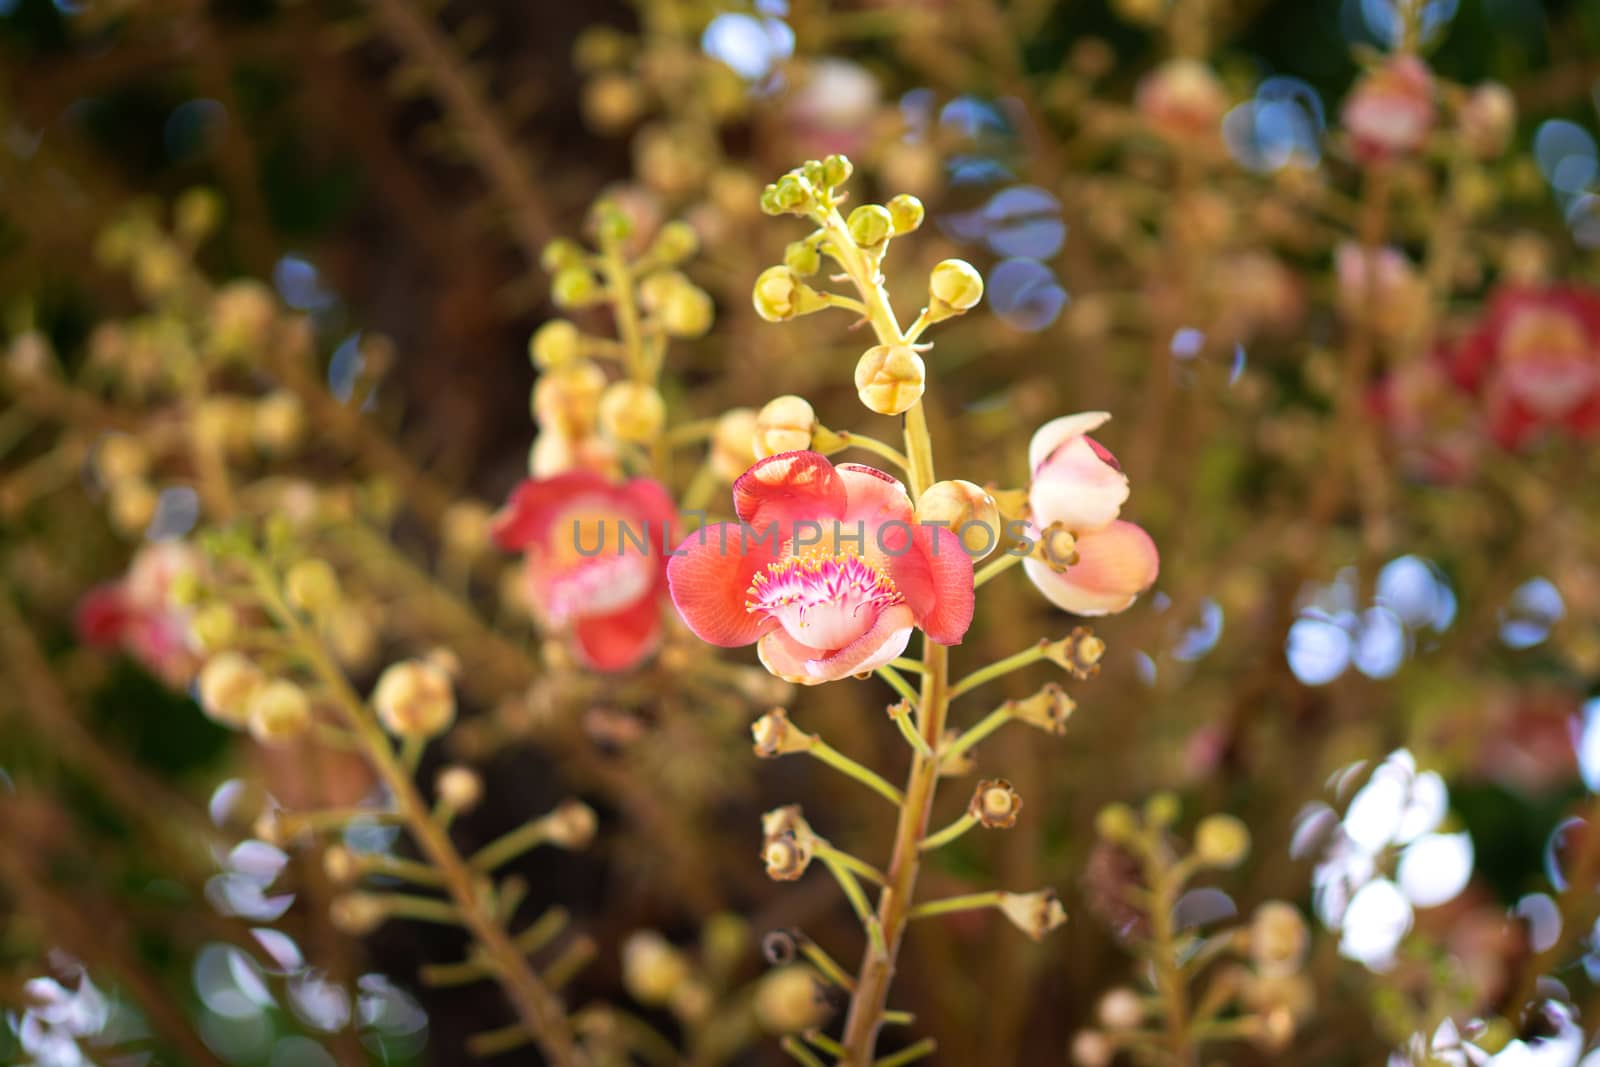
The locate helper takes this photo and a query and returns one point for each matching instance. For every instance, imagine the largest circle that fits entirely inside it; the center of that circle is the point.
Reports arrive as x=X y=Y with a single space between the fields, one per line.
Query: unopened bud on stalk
x=459 y=788
x=890 y=379
x=967 y=510
x=1162 y=809
x=340 y=865
x=351 y=636
x=1078 y=653
x=784 y=425
x=1121 y=1009
x=119 y=458
x=226 y=684
x=1116 y=823
x=196 y=214
x=995 y=804
x=1091 y=1048
x=632 y=412
x=278 y=422
x=1488 y=119
x=567 y=398
x=561 y=254
x=1036 y=913
x=775 y=735
x=357 y=913
x=1221 y=841
x=312 y=586
x=214 y=626
x=906 y=212
x=836 y=170
x=1278 y=939
x=870 y=225
x=279 y=712
x=686 y=312
x=674 y=242
x=954 y=287
x=571 y=825
x=790 y=999
x=652 y=968
x=779 y=295
x=790 y=194
x=575 y=287
x=555 y=344
x=1048 y=709
x=731 y=454
x=802 y=258
x=413 y=699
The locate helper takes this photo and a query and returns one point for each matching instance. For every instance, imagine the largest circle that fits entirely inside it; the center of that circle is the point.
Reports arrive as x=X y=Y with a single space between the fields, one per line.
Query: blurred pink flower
x=825 y=609
x=136 y=613
x=1390 y=111
x=595 y=560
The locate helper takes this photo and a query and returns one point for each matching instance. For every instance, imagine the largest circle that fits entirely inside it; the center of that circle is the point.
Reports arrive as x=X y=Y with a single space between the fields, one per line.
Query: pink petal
x=620 y=641
x=788 y=488
x=709 y=575
x=1057 y=432
x=872 y=497
x=102 y=615
x=535 y=504
x=1079 y=486
x=655 y=510
x=934 y=574
x=804 y=665
x=1114 y=566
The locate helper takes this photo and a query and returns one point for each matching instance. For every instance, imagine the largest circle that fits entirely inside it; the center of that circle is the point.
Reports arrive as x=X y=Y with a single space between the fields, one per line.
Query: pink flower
x=1535 y=358
x=1078 y=485
x=1182 y=99
x=1390 y=111
x=595 y=560
x=827 y=571
x=136 y=613
x=1392 y=296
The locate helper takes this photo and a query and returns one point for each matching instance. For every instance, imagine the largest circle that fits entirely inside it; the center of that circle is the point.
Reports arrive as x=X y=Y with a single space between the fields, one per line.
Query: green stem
x=828 y=853
x=849 y=767
x=999 y=669
x=985 y=726
x=875 y=446
x=509 y=846
x=901 y=686
x=994 y=567
x=909 y=1054
x=969 y=902
x=948 y=834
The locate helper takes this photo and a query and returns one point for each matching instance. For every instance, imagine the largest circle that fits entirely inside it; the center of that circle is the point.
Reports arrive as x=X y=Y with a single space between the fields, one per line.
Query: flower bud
x=242 y=313
x=413 y=699
x=340 y=865
x=731 y=454
x=1121 y=1009
x=1278 y=939
x=995 y=804
x=1078 y=653
x=278 y=422
x=906 y=213
x=1221 y=841
x=1116 y=823
x=571 y=825
x=214 y=626
x=967 y=510
x=790 y=999
x=357 y=914
x=775 y=735
x=459 y=788
x=464 y=529
x=1488 y=119
x=120 y=457
x=870 y=225
x=611 y=102
x=1047 y=710
x=954 y=286
x=1036 y=913
x=555 y=344
x=133 y=506
x=226 y=684
x=1182 y=100
x=1162 y=810
x=561 y=254
x=686 y=312
x=836 y=170
x=890 y=379
x=652 y=968
x=1389 y=112
x=567 y=398
x=279 y=711
x=351 y=636
x=312 y=586
x=779 y=295
x=575 y=287
x=785 y=424
x=1091 y=1048
x=196 y=214
x=674 y=243
x=632 y=412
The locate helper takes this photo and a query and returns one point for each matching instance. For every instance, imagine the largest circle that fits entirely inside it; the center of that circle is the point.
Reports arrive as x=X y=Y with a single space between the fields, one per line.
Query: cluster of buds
x=236 y=693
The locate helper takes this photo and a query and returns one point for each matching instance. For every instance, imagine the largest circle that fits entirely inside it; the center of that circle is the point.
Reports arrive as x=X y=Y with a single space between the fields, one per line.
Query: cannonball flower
x=1078 y=484
x=1390 y=112
x=595 y=556
x=137 y=612
x=1534 y=357
x=1183 y=99
x=827 y=571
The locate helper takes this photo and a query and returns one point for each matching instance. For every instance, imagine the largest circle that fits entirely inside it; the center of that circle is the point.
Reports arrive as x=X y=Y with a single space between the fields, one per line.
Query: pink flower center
x=823 y=602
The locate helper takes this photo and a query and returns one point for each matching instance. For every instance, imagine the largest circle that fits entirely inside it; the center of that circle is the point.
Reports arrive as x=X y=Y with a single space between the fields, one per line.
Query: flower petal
x=709 y=575
x=804 y=665
x=872 y=497
x=1114 y=566
x=536 y=503
x=1078 y=485
x=934 y=574
x=787 y=488
x=1053 y=434
x=622 y=640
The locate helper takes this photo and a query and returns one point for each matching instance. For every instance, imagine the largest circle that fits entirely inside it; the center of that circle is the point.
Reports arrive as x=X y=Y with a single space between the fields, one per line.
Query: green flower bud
x=1116 y=823
x=312 y=586
x=676 y=242
x=279 y=711
x=792 y=194
x=560 y=254
x=610 y=222
x=574 y=287
x=907 y=213
x=555 y=344
x=779 y=296
x=687 y=312
x=871 y=225
x=836 y=170
x=954 y=286
x=1221 y=841
x=1162 y=809
x=803 y=258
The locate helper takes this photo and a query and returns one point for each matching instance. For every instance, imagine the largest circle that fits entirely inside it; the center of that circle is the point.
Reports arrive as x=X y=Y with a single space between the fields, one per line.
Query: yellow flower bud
x=226 y=684
x=196 y=214
x=967 y=510
x=278 y=421
x=341 y=865
x=1162 y=810
x=567 y=398
x=890 y=378
x=1116 y=823
x=575 y=287
x=632 y=411
x=790 y=999
x=464 y=528
x=312 y=586
x=560 y=254
x=119 y=458
x=906 y=212
x=242 y=314
x=1278 y=939
x=1221 y=841
x=414 y=699
x=954 y=286
x=357 y=914
x=214 y=626
x=731 y=454
x=652 y=968
x=611 y=102
x=459 y=788
x=571 y=825
x=779 y=295
x=802 y=258
x=1121 y=1009
x=555 y=344
x=279 y=711
x=870 y=225
x=687 y=312
x=784 y=425
x=133 y=505
x=675 y=243
x=351 y=636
